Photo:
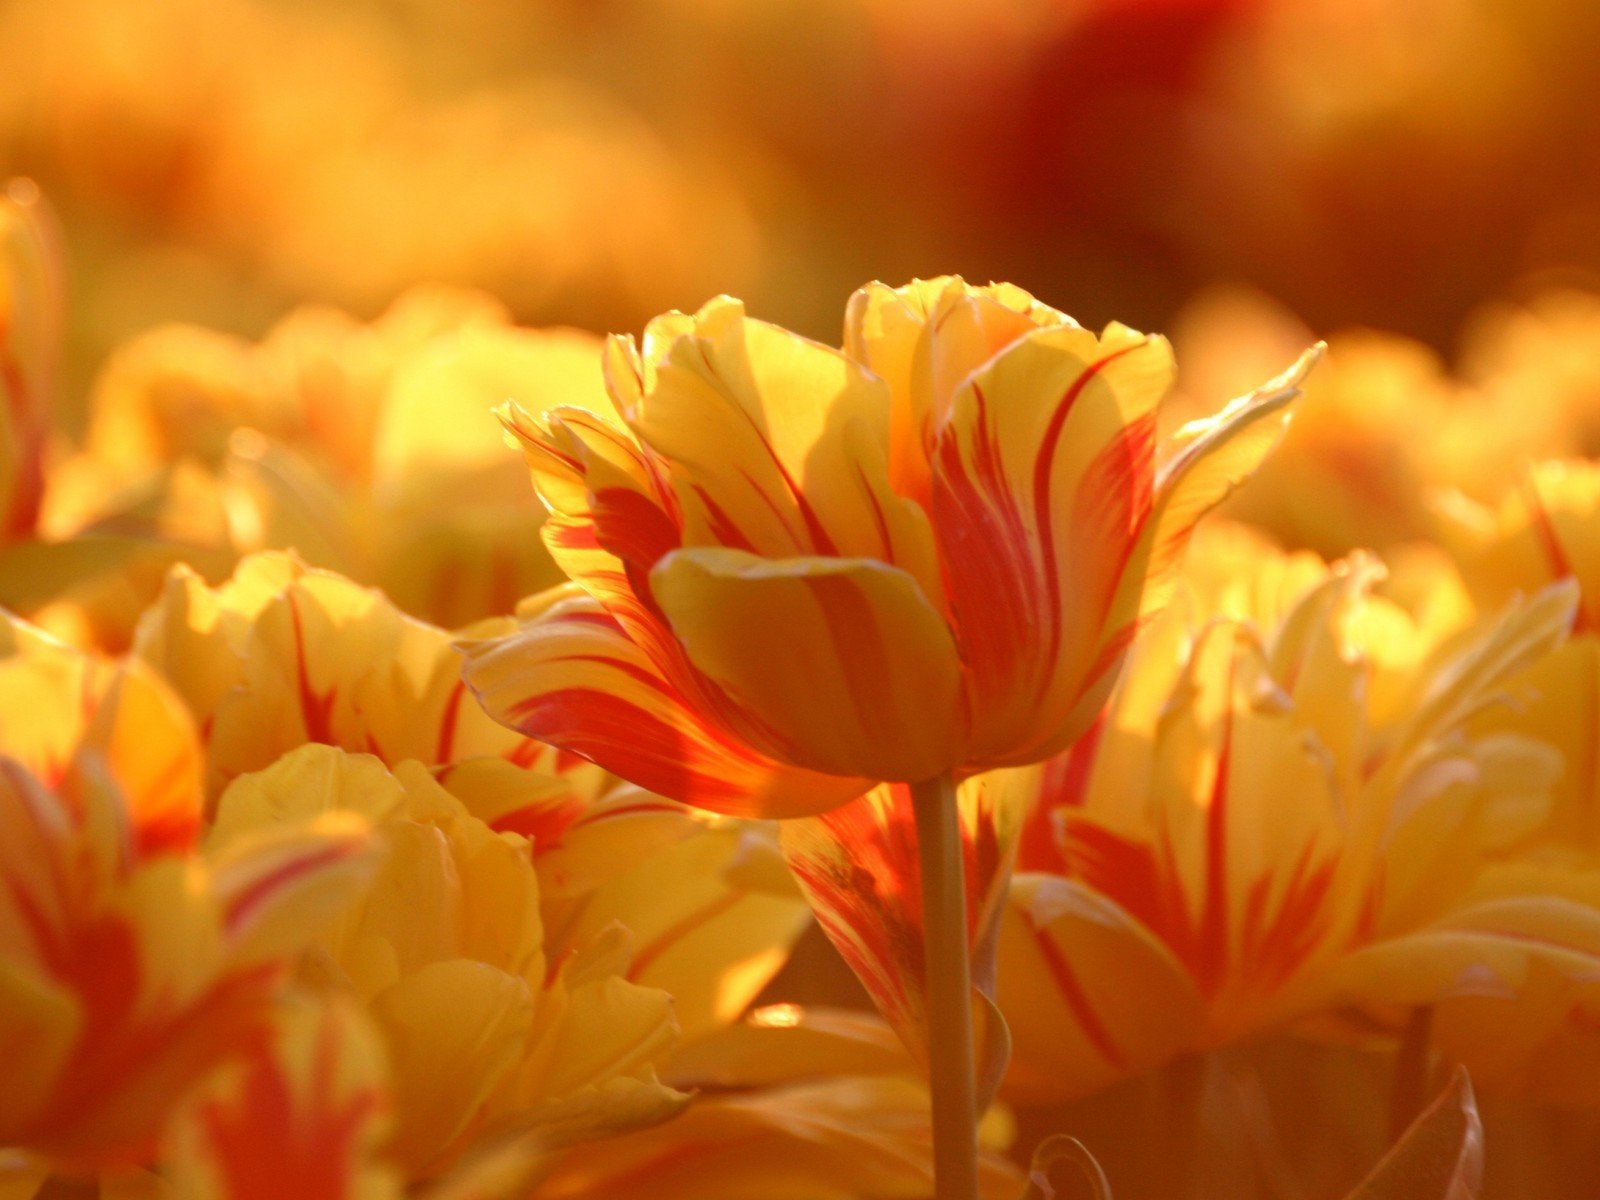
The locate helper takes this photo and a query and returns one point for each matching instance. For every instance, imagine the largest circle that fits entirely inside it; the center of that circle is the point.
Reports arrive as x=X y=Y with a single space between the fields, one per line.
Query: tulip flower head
x=1285 y=809
x=134 y=961
x=803 y=571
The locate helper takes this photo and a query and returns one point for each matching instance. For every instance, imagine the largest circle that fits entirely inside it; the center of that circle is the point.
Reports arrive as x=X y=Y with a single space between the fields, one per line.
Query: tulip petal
x=1213 y=457
x=1120 y=1001
x=454 y=1031
x=32 y=290
x=302 y=1117
x=686 y=906
x=777 y=445
x=858 y=866
x=923 y=340
x=1042 y=477
x=843 y=663
x=574 y=679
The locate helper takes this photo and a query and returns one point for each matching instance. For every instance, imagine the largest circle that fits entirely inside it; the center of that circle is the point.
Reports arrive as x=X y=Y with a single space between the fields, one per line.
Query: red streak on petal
x=821 y=543
x=1043 y=471
x=1560 y=564
x=1280 y=941
x=635 y=744
x=316 y=710
x=445 y=749
x=651 y=951
x=543 y=825
x=723 y=527
x=271 y=1144
x=248 y=902
x=1077 y=999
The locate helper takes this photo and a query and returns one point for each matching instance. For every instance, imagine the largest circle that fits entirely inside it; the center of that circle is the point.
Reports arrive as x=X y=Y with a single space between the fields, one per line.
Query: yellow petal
x=778 y=445
x=842 y=664
x=1090 y=995
x=454 y=1031
x=698 y=934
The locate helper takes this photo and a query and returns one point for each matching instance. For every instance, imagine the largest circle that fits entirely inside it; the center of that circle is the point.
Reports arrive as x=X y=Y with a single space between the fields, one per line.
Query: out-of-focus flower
x=1352 y=472
x=590 y=925
x=446 y=951
x=134 y=963
x=1174 y=898
x=336 y=160
x=807 y=570
x=330 y=436
x=301 y=1115
x=32 y=300
x=1546 y=529
x=794 y=1103
x=335 y=438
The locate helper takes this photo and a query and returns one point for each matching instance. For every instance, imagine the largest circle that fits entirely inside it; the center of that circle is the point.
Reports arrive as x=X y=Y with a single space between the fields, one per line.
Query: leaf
x=1440 y=1156
x=1054 y=1151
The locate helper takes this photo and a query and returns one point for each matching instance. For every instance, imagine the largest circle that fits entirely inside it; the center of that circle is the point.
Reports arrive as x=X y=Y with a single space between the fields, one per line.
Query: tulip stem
x=1412 y=1066
x=949 y=989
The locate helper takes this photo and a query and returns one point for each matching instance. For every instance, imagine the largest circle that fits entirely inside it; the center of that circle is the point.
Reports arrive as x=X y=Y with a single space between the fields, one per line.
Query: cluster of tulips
x=375 y=823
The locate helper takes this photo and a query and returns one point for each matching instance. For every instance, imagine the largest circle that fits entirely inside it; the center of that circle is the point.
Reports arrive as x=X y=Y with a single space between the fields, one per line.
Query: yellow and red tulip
x=134 y=963
x=805 y=570
x=1174 y=899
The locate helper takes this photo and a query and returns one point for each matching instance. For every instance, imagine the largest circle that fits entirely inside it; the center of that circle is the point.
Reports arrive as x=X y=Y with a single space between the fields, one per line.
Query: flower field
x=485 y=714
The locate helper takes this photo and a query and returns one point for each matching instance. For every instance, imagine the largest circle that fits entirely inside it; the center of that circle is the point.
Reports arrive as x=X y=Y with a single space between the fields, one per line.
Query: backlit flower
x=804 y=570
x=31 y=303
x=1285 y=810
x=131 y=961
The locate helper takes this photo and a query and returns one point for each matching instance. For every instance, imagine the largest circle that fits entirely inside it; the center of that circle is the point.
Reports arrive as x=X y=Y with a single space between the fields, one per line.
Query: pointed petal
x=1213 y=456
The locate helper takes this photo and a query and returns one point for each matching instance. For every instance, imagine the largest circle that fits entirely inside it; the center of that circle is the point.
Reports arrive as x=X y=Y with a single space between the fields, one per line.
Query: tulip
x=804 y=571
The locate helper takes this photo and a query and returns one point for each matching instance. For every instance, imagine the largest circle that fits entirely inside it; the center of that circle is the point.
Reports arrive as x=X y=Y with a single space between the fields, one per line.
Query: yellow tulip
x=1285 y=810
x=281 y=655
x=484 y=1034
x=1544 y=530
x=807 y=570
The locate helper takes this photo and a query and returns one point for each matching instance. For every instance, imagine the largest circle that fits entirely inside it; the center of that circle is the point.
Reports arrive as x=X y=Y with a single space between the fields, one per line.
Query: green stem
x=949 y=989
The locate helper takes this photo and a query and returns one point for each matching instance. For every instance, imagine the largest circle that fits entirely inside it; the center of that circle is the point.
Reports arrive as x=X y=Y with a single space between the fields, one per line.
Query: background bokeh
x=1390 y=163
x=1418 y=180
